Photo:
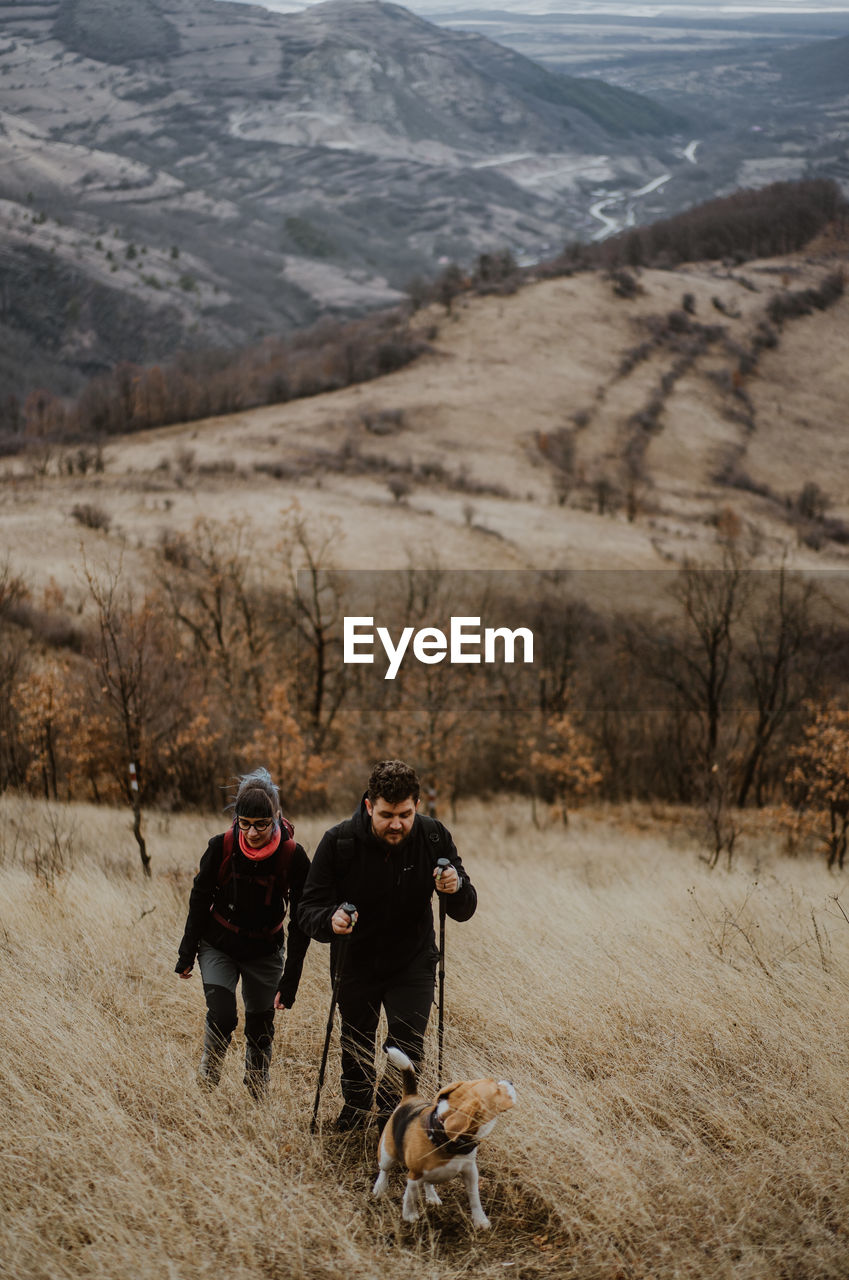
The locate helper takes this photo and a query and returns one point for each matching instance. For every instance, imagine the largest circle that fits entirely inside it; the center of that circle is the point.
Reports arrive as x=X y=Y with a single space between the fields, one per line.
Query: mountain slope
x=234 y=172
x=374 y=61
x=563 y=426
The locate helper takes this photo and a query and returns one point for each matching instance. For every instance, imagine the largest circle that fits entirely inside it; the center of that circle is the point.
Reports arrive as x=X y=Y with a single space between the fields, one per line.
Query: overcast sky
x=663 y=8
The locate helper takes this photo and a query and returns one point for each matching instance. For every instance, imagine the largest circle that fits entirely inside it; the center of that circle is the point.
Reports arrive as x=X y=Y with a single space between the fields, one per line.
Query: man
x=383 y=860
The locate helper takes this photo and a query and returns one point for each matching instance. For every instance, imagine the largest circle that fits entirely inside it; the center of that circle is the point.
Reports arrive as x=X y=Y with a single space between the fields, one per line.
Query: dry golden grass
x=677 y=1039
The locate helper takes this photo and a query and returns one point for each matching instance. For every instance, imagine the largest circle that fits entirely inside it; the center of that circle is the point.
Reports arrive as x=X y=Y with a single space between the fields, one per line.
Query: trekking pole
x=442 y=865
x=350 y=910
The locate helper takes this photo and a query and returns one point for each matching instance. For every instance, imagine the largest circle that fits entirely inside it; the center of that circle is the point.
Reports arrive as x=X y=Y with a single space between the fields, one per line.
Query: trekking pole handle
x=348 y=908
x=442 y=865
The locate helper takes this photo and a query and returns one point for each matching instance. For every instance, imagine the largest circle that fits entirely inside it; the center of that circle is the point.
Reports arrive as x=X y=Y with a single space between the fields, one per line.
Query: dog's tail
x=405 y=1066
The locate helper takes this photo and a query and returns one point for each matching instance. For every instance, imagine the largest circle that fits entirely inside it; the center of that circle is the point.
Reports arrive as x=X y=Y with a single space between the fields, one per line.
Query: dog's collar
x=461 y=1146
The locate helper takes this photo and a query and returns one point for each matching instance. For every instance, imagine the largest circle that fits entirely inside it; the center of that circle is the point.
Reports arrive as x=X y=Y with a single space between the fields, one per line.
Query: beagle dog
x=438 y=1140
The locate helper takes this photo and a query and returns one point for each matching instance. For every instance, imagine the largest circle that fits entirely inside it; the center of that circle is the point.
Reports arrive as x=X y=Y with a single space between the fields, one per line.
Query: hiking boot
x=351 y=1118
x=257 y=1077
x=211 y=1058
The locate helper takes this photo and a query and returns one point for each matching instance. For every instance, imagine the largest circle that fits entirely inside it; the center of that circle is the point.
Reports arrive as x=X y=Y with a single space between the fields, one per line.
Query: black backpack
x=278 y=879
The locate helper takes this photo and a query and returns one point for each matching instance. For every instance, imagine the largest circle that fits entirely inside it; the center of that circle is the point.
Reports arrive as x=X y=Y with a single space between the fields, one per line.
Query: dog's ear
x=447 y=1088
x=458 y=1107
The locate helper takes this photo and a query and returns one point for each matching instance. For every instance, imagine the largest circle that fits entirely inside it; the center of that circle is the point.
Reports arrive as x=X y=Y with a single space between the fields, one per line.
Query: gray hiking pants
x=221 y=975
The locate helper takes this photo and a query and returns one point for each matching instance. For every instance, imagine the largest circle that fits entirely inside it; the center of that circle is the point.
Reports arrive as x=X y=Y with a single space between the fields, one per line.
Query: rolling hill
x=563 y=426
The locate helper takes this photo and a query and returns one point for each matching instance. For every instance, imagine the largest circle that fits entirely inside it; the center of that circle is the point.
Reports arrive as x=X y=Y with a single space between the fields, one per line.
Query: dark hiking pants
x=407 y=998
x=259 y=978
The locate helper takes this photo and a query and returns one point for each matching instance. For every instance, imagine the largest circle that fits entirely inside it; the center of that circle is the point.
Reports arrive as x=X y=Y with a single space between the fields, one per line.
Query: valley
x=202 y=175
x=766 y=87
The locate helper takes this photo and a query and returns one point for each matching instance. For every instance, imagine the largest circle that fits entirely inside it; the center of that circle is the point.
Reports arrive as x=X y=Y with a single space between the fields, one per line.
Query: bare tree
x=318 y=610
x=697 y=661
x=137 y=678
x=782 y=662
x=207 y=580
x=721 y=827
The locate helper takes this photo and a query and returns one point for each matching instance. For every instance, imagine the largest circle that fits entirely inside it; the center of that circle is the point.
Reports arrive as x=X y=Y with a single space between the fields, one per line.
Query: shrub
x=91 y=516
x=811 y=503
x=625 y=284
x=382 y=422
x=791 y=304
x=399 y=487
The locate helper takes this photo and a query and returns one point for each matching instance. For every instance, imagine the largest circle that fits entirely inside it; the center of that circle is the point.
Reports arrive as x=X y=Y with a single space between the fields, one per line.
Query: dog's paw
x=380 y=1185
x=410 y=1215
x=431 y=1194
x=480 y=1222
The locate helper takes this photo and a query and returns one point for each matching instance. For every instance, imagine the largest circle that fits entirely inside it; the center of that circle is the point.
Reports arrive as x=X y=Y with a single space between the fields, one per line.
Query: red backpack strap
x=284 y=853
x=227 y=856
x=287 y=838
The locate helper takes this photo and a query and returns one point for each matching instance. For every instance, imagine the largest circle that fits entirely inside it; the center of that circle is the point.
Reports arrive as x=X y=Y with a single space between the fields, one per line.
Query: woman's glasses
x=260 y=825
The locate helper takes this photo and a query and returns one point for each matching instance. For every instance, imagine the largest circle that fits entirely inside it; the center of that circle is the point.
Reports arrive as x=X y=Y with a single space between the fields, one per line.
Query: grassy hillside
x=675 y=1038
x=686 y=415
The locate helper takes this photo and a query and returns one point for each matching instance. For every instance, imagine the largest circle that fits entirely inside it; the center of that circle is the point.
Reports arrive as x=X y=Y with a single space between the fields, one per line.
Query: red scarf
x=266 y=850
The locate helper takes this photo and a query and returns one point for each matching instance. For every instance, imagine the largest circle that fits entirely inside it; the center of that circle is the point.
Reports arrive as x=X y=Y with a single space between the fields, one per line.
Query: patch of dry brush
x=676 y=1039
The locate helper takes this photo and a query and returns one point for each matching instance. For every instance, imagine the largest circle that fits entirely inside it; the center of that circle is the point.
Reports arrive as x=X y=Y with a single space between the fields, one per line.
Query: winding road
x=626 y=217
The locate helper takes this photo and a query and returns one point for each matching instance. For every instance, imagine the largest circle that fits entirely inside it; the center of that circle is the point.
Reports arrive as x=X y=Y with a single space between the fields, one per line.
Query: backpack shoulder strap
x=227 y=855
x=433 y=832
x=283 y=860
x=345 y=838
x=346 y=848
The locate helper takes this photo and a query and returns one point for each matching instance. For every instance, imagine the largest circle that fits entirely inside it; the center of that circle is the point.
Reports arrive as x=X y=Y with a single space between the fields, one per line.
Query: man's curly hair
x=393 y=781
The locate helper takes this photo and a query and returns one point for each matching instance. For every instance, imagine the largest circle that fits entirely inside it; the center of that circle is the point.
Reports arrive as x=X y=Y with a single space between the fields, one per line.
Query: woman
x=247 y=878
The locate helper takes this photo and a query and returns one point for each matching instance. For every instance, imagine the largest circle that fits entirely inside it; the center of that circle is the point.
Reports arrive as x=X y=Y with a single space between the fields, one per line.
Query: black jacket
x=250 y=912
x=391 y=888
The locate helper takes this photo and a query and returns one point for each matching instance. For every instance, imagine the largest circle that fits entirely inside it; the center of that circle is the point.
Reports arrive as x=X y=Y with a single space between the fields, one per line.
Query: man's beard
x=393 y=843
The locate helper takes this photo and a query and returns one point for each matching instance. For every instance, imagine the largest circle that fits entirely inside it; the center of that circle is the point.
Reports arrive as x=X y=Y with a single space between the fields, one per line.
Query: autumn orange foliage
x=819 y=782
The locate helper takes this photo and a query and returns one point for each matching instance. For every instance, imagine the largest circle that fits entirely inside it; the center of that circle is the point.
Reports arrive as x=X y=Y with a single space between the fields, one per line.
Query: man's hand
x=278 y=1003
x=341 y=922
x=447 y=879
x=187 y=973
